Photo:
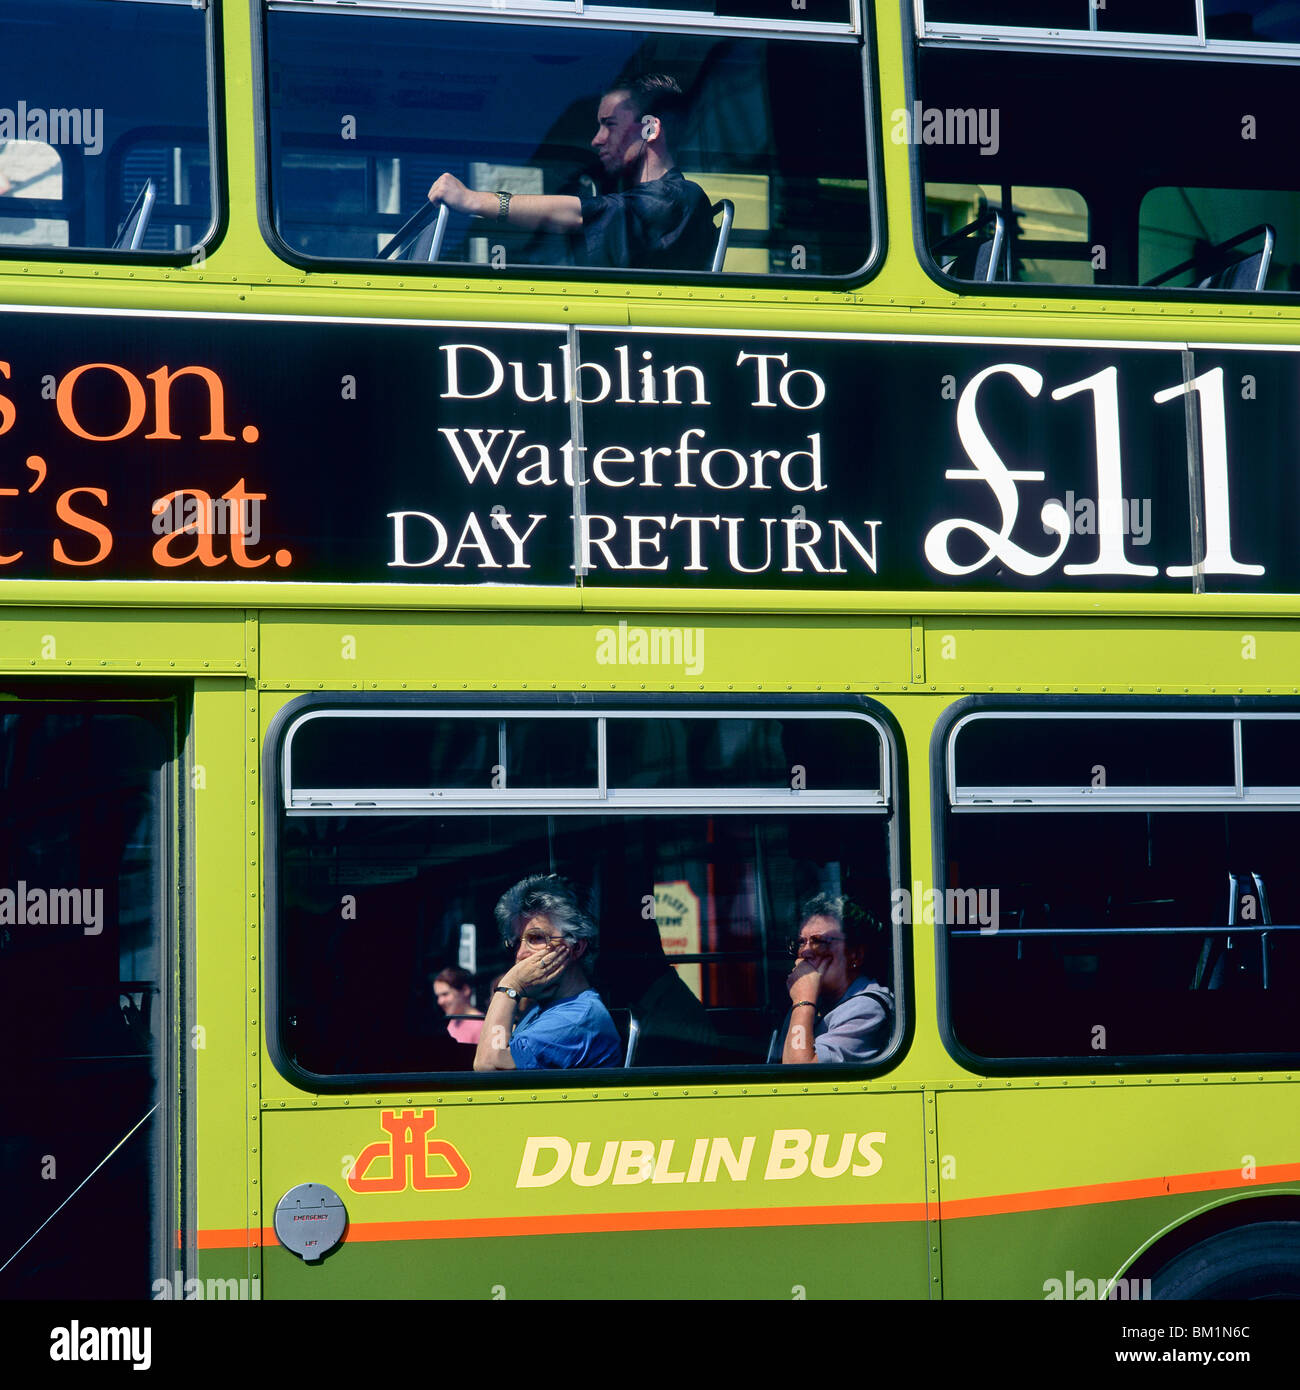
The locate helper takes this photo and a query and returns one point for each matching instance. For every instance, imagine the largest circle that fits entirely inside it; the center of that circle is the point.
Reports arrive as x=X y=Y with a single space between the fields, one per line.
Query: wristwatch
x=503 y=207
x=501 y=989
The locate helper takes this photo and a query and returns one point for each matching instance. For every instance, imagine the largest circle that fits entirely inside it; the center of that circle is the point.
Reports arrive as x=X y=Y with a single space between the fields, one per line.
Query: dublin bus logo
x=407 y=1153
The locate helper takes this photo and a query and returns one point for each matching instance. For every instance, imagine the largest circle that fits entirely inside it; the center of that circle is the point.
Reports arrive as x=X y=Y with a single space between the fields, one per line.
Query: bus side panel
x=1078 y=1181
x=758 y=1197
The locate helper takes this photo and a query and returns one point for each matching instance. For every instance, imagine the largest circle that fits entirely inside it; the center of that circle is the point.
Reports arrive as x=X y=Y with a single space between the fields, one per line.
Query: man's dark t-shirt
x=664 y=224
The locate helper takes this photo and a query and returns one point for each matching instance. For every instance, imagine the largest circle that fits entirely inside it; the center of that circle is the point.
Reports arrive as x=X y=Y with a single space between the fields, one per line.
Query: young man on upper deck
x=656 y=220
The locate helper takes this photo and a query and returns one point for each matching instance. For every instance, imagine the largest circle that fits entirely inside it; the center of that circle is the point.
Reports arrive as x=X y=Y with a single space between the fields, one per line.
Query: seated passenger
x=837 y=1013
x=565 y=1025
x=653 y=220
x=454 y=992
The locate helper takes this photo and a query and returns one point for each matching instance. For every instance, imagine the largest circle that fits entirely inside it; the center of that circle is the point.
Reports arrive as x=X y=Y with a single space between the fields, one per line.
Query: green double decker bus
x=916 y=570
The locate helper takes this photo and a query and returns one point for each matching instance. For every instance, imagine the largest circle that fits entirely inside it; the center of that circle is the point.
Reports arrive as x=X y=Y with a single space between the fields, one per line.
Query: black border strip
x=940 y=812
x=595 y=1077
x=579 y=278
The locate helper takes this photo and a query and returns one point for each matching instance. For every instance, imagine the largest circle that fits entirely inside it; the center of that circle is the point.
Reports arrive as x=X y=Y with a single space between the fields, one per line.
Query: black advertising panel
x=840 y=463
x=184 y=447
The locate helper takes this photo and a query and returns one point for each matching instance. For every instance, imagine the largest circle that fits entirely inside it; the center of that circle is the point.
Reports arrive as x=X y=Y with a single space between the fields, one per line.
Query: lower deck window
x=1118 y=918
x=696 y=894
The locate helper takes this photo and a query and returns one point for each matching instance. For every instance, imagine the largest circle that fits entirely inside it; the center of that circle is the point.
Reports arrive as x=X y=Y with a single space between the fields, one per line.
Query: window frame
x=1076 y=706
x=648 y=705
x=219 y=213
x=860 y=32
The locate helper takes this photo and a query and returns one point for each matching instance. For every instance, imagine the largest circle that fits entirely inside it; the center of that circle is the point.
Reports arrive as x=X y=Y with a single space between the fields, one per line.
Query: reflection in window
x=31 y=169
x=1195 y=228
x=1046 y=231
x=367 y=111
x=113 y=97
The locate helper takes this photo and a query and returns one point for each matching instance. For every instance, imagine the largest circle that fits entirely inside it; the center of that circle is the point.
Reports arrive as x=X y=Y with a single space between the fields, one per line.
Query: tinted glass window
x=695 y=913
x=1252 y=21
x=1270 y=752
x=695 y=905
x=1203 y=201
x=1133 y=16
x=361 y=753
x=366 y=112
x=783 y=754
x=1109 y=934
x=1095 y=753
x=104 y=140
x=551 y=753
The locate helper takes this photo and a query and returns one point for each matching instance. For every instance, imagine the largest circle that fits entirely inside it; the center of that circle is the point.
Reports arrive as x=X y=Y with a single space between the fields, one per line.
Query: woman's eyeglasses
x=818 y=945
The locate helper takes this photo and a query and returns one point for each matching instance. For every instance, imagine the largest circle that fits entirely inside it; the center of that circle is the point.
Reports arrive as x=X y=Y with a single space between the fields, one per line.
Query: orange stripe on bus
x=637 y=1221
x=1128 y=1191
x=580 y=1223
x=954 y=1208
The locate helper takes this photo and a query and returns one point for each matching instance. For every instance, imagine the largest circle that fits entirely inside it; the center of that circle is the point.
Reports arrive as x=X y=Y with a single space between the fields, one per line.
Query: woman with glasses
x=565 y=1024
x=837 y=1013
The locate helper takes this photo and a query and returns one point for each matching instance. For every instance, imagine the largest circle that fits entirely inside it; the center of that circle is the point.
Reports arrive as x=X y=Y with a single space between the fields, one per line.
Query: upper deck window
x=1186 y=184
x=736 y=169
x=105 y=133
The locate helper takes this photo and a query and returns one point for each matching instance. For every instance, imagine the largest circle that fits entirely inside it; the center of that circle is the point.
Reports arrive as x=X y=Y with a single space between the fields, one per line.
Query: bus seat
x=728 y=210
x=742 y=1035
x=1238 y=957
x=419 y=238
x=130 y=235
x=1249 y=273
x=629 y=1033
x=1229 y=267
x=977 y=249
